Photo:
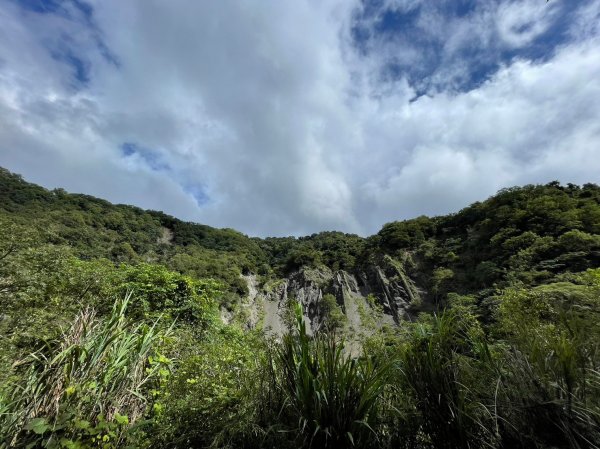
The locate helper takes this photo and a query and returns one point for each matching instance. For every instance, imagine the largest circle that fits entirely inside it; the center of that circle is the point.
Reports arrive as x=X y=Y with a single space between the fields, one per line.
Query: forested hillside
x=121 y=327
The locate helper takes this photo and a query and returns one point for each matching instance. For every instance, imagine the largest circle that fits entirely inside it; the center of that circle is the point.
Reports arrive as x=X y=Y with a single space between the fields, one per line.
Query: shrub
x=159 y=290
x=332 y=316
x=211 y=398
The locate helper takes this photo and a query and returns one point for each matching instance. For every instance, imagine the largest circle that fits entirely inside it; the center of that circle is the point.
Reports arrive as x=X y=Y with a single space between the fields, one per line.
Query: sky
x=288 y=118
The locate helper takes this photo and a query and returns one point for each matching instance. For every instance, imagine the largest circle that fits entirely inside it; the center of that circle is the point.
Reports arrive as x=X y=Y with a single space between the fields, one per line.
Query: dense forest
x=112 y=332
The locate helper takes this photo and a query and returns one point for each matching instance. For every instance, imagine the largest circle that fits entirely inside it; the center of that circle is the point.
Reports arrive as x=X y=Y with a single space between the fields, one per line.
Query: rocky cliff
x=379 y=293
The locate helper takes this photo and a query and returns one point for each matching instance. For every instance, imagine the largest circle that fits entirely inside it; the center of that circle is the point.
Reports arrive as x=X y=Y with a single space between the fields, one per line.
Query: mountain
x=522 y=235
x=504 y=292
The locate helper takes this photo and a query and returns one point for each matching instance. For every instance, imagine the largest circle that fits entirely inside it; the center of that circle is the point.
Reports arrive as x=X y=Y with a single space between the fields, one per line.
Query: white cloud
x=520 y=22
x=529 y=123
x=289 y=130
x=586 y=22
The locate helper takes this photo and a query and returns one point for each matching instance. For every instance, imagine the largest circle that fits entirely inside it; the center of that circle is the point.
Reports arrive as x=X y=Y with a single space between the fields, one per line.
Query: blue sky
x=287 y=118
x=427 y=27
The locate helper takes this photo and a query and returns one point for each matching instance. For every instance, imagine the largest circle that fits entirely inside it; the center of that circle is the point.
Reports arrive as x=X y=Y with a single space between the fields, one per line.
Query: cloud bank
x=279 y=118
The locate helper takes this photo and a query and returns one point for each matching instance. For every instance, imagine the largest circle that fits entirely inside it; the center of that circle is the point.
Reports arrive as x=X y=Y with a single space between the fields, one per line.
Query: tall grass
x=434 y=383
x=551 y=394
x=329 y=399
x=89 y=379
x=440 y=368
x=552 y=385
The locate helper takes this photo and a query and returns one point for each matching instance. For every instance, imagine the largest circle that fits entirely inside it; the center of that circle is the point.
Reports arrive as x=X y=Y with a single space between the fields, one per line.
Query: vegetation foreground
x=111 y=333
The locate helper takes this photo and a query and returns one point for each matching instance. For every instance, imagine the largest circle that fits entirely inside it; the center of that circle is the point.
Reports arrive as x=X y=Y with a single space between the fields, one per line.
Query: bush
x=159 y=290
x=211 y=399
x=333 y=318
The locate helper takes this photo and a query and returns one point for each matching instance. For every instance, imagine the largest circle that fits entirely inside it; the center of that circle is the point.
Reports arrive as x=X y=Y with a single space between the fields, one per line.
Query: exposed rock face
x=386 y=282
x=395 y=290
x=344 y=284
x=166 y=236
x=305 y=286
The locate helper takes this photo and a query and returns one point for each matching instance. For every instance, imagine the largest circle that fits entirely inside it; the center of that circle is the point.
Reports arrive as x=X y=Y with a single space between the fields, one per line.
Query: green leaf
x=82 y=424
x=38 y=425
x=350 y=437
x=70 y=444
x=121 y=419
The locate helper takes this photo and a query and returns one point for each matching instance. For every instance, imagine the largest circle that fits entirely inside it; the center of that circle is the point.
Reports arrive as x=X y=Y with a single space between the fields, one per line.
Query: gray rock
x=386 y=280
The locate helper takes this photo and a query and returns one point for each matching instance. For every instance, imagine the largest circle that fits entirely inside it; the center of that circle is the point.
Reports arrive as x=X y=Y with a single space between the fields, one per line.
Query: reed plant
x=329 y=399
x=86 y=387
x=444 y=369
x=552 y=385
